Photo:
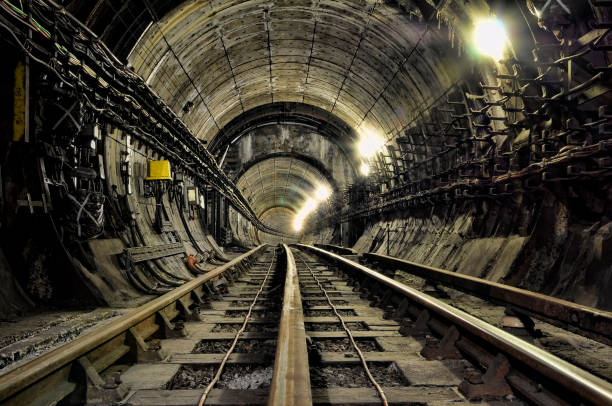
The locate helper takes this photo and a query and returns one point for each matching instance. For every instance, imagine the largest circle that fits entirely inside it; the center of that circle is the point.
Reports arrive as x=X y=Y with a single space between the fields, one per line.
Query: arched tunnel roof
x=361 y=67
x=357 y=67
x=281 y=181
x=315 y=118
x=366 y=62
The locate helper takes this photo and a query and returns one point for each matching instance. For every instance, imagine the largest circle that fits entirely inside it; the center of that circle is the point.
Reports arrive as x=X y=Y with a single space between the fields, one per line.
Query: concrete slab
x=430 y=373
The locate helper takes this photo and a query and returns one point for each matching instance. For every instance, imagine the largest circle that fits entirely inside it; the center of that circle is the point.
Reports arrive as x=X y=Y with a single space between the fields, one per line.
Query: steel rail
x=35 y=370
x=591 y=322
x=291 y=378
x=338 y=249
x=578 y=381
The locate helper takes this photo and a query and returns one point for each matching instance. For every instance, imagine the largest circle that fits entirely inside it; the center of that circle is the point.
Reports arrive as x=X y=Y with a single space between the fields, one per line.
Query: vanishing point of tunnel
x=296 y=202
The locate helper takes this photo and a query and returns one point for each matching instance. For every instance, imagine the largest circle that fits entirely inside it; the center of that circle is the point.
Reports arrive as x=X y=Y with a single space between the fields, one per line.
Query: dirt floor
x=359 y=326
x=336 y=302
x=317 y=295
x=242 y=346
x=328 y=313
x=344 y=344
x=250 y=327
x=261 y=314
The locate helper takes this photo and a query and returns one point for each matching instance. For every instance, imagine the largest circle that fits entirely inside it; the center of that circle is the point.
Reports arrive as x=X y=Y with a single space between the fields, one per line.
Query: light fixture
x=298 y=222
x=490 y=38
x=323 y=192
x=192 y=195
x=309 y=206
x=365 y=169
x=370 y=143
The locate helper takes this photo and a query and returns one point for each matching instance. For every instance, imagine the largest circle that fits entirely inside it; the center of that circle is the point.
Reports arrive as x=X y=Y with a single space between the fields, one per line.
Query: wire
x=22 y=46
x=379 y=389
x=229 y=352
x=126 y=87
x=21 y=15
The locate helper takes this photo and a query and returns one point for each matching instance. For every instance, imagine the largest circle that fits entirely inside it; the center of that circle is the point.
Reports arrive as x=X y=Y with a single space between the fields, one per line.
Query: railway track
x=299 y=326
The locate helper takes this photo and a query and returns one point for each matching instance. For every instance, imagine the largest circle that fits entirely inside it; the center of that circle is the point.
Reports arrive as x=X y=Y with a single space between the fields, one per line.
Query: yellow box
x=158 y=170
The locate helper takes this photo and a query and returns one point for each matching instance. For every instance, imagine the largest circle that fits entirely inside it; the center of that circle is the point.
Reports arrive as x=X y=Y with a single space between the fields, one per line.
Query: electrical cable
x=21 y=15
x=236 y=337
x=163 y=114
x=28 y=53
x=379 y=389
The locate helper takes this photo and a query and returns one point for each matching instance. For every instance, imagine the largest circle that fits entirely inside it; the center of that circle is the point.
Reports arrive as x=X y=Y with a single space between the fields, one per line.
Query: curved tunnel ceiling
x=359 y=67
x=280 y=182
x=288 y=113
x=306 y=159
x=367 y=62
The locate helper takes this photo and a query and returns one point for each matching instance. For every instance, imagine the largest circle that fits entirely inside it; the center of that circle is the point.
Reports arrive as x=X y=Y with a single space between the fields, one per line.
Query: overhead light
x=370 y=143
x=537 y=12
x=490 y=38
x=309 y=206
x=298 y=223
x=322 y=193
x=365 y=169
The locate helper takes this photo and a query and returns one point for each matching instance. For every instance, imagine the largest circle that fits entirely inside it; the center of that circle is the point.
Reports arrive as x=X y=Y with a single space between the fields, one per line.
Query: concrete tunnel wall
x=380 y=67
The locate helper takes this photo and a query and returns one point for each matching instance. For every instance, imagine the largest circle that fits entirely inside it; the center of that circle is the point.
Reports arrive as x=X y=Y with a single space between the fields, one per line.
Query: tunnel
x=435 y=146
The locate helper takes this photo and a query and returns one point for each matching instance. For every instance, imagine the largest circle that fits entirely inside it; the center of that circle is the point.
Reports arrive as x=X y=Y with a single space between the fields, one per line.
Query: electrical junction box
x=158 y=170
x=192 y=195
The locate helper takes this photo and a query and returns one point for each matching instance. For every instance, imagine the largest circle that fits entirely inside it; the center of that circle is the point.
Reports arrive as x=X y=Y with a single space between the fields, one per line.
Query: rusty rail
x=577 y=381
x=590 y=322
x=52 y=370
x=291 y=379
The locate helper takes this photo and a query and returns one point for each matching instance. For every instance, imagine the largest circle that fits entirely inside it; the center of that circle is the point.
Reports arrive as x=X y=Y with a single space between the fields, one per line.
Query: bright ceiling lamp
x=323 y=192
x=365 y=169
x=369 y=144
x=310 y=206
x=298 y=223
x=490 y=38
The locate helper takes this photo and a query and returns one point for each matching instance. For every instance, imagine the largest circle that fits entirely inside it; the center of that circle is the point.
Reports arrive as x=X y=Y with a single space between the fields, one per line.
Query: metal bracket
x=190 y=315
x=31 y=204
x=446 y=349
x=493 y=381
x=99 y=391
x=145 y=351
x=419 y=327
x=171 y=330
